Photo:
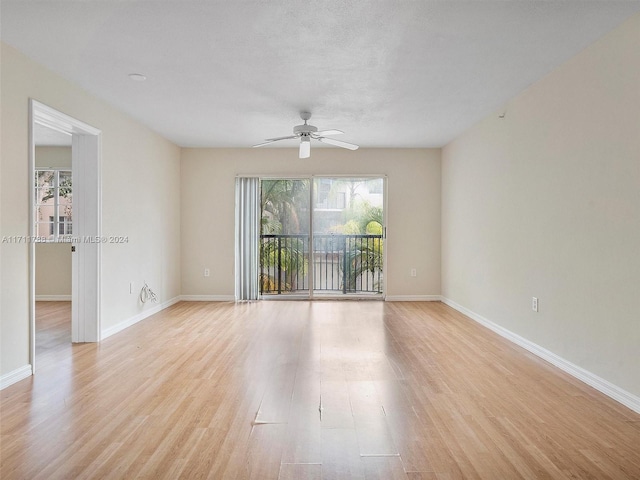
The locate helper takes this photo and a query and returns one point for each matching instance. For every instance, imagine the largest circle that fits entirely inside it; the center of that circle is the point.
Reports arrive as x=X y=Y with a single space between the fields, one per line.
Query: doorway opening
x=322 y=237
x=65 y=217
x=53 y=226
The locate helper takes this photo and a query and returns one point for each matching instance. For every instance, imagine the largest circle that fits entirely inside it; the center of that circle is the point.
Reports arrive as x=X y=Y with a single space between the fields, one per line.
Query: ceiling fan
x=306 y=132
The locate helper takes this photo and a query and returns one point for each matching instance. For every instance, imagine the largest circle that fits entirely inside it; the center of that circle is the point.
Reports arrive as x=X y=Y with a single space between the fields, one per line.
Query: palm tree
x=363 y=255
x=283 y=260
x=365 y=258
x=281 y=202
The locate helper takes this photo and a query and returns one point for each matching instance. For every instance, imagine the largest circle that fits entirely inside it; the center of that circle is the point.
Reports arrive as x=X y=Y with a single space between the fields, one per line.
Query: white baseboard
x=613 y=391
x=53 y=298
x=137 y=318
x=207 y=298
x=413 y=298
x=15 y=376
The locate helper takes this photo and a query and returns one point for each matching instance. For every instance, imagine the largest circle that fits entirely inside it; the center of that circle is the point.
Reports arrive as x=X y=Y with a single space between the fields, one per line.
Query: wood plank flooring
x=310 y=390
x=53 y=331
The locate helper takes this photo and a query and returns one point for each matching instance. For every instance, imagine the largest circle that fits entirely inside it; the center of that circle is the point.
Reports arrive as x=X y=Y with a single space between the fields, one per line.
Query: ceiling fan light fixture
x=305 y=146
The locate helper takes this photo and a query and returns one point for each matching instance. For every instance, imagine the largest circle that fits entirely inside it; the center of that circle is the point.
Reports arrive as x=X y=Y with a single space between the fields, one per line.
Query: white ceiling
x=390 y=73
x=48 y=137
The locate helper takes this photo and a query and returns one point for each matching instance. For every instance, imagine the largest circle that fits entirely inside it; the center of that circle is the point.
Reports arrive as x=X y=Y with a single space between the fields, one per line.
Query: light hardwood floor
x=53 y=332
x=310 y=390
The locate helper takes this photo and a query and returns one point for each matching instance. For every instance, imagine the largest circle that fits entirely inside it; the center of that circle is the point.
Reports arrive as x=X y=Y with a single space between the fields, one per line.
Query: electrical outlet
x=206 y=272
x=534 y=304
x=413 y=272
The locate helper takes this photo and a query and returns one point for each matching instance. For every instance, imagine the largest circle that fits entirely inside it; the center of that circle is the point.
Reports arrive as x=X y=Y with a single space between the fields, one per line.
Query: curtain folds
x=247 y=237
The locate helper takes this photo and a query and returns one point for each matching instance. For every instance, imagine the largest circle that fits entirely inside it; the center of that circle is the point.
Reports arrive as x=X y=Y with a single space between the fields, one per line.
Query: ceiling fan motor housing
x=304 y=129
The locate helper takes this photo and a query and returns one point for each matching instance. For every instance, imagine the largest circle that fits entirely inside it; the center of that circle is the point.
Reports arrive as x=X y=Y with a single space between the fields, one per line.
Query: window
x=64 y=225
x=53 y=205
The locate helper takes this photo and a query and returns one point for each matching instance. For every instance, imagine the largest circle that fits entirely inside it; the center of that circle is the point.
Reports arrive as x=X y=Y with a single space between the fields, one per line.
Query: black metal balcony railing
x=341 y=263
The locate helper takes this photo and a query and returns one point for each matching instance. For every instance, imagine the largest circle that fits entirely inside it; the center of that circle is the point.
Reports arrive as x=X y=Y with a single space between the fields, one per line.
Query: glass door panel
x=348 y=220
x=284 y=237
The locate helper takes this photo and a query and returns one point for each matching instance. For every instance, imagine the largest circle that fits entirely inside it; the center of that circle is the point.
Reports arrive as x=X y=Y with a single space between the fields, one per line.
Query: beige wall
x=53 y=260
x=53 y=270
x=546 y=203
x=140 y=192
x=53 y=157
x=208 y=203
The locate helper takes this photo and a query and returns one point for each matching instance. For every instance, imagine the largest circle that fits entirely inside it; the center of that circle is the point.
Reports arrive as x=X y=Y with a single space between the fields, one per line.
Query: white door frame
x=87 y=209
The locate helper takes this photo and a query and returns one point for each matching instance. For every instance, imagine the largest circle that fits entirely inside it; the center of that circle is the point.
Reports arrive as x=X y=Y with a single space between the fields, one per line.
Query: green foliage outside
x=281 y=202
x=285 y=210
x=367 y=256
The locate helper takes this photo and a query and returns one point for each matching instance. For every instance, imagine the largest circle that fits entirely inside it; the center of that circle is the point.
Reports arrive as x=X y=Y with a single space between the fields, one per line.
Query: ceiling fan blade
x=322 y=133
x=271 y=140
x=261 y=144
x=281 y=138
x=338 y=143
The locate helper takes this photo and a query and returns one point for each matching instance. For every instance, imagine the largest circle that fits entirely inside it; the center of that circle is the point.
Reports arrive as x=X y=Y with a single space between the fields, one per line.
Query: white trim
x=137 y=318
x=18 y=374
x=61 y=122
x=385 y=239
x=312 y=243
x=609 y=389
x=53 y=298
x=413 y=298
x=207 y=298
x=85 y=262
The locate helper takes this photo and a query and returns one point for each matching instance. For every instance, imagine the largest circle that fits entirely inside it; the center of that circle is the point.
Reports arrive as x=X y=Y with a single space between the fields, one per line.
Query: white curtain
x=247 y=237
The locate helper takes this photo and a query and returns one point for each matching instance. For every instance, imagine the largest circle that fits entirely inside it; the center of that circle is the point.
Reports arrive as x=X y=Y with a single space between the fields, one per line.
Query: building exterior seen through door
x=322 y=237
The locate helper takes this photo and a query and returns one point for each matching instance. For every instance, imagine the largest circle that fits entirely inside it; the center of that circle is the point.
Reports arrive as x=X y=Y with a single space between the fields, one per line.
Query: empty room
x=320 y=240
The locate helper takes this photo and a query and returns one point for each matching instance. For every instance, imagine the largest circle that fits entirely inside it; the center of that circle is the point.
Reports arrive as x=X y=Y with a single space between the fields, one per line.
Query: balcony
x=342 y=264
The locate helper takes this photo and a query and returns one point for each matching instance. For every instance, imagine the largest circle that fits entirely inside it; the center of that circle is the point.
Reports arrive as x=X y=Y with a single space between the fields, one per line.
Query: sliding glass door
x=322 y=236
